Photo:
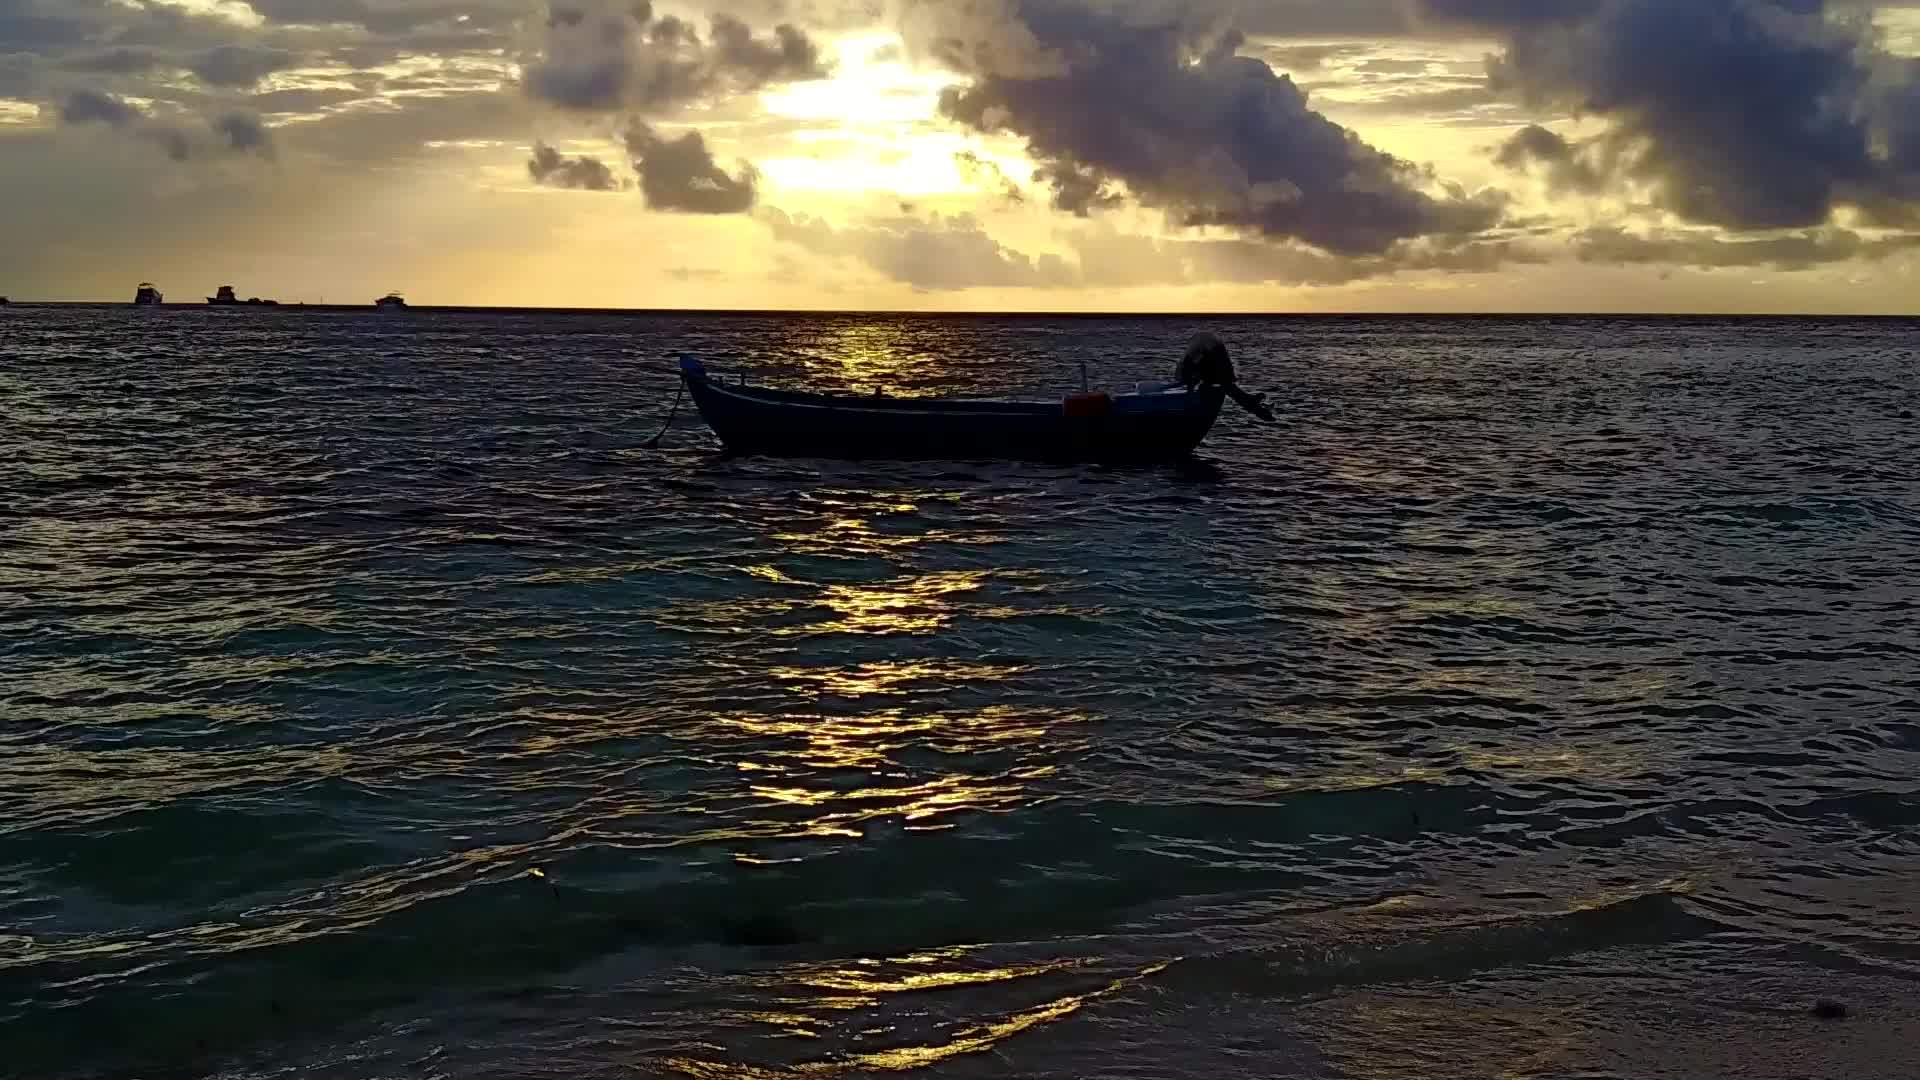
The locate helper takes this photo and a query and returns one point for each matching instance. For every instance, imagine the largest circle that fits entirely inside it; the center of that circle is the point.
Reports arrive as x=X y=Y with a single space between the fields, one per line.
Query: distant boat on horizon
x=148 y=296
x=393 y=301
x=224 y=297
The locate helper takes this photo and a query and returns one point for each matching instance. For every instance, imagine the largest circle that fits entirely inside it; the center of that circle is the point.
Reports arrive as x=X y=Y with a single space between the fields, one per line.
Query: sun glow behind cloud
x=872 y=127
x=872 y=85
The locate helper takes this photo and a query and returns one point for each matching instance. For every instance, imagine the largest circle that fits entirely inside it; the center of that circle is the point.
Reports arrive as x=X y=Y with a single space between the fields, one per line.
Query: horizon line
x=295 y=305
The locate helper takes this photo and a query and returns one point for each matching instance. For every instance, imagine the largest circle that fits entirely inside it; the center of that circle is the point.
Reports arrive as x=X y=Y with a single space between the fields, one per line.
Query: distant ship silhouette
x=224 y=297
x=148 y=296
x=391 y=301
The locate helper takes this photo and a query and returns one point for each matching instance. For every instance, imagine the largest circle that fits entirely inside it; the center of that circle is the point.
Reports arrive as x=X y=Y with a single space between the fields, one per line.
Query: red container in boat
x=1082 y=405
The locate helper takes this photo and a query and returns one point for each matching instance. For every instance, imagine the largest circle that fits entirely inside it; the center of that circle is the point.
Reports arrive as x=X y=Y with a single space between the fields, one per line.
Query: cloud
x=1312 y=57
x=231 y=66
x=1115 y=260
x=790 y=57
x=1565 y=166
x=244 y=133
x=1706 y=248
x=84 y=107
x=394 y=18
x=681 y=175
x=1078 y=189
x=548 y=166
x=1746 y=114
x=96 y=107
x=696 y=273
x=933 y=255
x=240 y=132
x=1163 y=105
x=241 y=66
x=605 y=56
x=988 y=174
x=940 y=254
x=172 y=141
x=122 y=61
x=1294 y=19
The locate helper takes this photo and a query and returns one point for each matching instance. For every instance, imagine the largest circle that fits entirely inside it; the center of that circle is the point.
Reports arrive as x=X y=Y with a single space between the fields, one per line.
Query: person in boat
x=1206 y=363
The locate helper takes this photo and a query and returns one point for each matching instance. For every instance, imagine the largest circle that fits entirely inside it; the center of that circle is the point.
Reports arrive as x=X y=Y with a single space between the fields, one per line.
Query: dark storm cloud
x=1165 y=107
x=554 y=169
x=240 y=65
x=604 y=56
x=1746 y=114
x=680 y=175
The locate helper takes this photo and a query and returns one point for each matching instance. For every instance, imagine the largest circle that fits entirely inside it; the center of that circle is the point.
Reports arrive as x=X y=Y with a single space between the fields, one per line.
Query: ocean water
x=1539 y=698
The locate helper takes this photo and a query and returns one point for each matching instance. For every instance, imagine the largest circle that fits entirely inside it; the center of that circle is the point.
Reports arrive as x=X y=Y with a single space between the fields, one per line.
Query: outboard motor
x=1207 y=364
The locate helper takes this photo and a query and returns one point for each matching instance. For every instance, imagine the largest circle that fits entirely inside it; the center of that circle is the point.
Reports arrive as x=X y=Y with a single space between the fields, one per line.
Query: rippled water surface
x=1537 y=699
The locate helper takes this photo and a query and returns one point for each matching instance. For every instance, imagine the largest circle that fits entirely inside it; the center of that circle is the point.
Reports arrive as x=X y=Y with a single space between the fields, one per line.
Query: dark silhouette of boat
x=4 y=301
x=224 y=297
x=1151 y=423
x=393 y=301
x=148 y=296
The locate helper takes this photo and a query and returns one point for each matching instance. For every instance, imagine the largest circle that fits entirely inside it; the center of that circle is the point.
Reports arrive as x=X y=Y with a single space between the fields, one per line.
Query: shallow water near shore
x=1540 y=697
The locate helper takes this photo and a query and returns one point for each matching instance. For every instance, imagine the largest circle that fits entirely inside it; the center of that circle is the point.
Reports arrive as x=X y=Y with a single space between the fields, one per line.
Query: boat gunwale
x=848 y=402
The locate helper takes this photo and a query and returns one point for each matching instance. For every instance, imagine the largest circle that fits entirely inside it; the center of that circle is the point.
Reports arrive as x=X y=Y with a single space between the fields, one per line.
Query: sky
x=976 y=155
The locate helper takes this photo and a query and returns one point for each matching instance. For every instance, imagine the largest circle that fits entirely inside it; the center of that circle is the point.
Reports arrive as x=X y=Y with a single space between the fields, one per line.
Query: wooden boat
x=1153 y=422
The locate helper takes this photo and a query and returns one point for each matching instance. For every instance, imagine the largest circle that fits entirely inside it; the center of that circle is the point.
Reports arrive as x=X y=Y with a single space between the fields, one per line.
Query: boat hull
x=1126 y=428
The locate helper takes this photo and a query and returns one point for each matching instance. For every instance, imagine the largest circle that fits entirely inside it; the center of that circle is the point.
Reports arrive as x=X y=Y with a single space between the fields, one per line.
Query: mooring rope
x=654 y=443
